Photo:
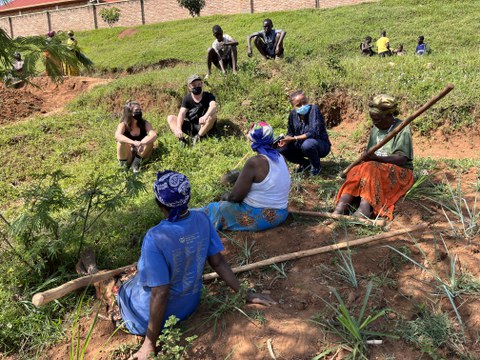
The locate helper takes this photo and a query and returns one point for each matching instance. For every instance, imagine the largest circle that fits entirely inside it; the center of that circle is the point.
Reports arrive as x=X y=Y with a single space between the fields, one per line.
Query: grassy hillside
x=322 y=50
x=321 y=56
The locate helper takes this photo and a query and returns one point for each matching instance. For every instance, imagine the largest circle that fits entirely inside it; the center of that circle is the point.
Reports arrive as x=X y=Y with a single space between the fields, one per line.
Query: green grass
x=353 y=330
x=321 y=55
x=433 y=330
x=324 y=44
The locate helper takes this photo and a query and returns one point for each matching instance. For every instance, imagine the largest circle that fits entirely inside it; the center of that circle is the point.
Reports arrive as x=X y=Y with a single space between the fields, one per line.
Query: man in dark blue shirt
x=307 y=139
x=421 y=48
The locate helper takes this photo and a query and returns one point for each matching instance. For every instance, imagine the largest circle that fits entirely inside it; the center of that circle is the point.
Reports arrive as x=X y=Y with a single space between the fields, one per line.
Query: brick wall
x=130 y=13
x=163 y=10
x=214 y=7
x=68 y=19
x=29 y=24
x=83 y=17
x=5 y=25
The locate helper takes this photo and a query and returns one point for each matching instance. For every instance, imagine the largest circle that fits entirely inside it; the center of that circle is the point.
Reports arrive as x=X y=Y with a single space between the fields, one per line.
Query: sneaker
x=136 y=164
x=196 y=139
x=314 y=171
x=301 y=168
x=123 y=164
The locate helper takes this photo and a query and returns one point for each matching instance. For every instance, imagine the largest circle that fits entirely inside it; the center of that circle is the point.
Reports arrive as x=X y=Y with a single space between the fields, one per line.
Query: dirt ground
x=301 y=295
x=43 y=97
x=399 y=287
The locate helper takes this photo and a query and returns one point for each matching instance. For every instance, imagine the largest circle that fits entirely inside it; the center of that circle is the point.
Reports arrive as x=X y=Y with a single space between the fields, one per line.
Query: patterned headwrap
x=384 y=105
x=261 y=136
x=172 y=189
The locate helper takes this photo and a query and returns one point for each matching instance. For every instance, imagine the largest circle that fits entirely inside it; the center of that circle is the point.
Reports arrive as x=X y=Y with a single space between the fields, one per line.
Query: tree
x=33 y=49
x=193 y=6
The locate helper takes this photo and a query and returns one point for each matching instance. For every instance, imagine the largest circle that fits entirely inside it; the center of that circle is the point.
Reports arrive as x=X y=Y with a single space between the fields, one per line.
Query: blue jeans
x=312 y=149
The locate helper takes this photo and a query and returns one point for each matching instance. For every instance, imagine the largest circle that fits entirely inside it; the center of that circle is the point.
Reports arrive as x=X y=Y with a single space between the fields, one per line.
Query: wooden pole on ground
x=45 y=297
x=375 y=222
x=320 y=250
x=404 y=123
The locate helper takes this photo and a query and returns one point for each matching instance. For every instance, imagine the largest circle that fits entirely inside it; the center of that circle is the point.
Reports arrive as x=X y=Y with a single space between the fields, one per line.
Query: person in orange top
x=53 y=66
x=386 y=175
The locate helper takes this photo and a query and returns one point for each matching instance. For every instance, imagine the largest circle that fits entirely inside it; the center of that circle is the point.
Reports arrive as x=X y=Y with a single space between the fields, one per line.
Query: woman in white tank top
x=259 y=198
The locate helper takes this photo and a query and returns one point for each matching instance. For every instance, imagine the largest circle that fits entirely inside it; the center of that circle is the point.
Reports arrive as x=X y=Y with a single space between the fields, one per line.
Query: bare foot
x=360 y=214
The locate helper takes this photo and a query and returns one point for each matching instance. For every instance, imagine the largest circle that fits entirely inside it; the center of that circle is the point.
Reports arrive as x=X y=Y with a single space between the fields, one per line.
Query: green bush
x=170 y=341
x=110 y=15
x=193 y=6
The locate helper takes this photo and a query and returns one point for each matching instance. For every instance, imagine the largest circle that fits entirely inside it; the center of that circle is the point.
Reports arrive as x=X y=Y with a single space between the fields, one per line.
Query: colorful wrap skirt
x=380 y=184
x=226 y=215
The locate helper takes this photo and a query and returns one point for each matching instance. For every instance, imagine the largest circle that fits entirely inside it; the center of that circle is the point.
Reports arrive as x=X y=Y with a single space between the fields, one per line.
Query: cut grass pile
x=321 y=56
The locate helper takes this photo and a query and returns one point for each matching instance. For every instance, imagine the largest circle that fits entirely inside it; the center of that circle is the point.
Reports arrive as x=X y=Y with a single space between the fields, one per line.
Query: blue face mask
x=304 y=109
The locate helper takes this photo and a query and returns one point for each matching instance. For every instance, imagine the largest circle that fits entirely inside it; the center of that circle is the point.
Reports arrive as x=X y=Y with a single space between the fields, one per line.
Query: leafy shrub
x=110 y=15
x=170 y=339
x=193 y=6
x=53 y=224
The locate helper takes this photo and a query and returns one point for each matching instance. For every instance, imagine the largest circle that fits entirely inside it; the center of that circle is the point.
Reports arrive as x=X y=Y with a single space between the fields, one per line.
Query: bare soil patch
x=339 y=106
x=399 y=286
x=46 y=97
x=17 y=104
x=164 y=63
x=127 y=32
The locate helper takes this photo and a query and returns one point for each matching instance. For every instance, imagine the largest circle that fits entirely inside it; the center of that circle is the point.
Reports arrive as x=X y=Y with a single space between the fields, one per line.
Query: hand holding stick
x=395 y=131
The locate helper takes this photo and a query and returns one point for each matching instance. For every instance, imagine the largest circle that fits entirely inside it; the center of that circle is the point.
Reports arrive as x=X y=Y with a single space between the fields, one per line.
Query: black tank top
x=143 y=133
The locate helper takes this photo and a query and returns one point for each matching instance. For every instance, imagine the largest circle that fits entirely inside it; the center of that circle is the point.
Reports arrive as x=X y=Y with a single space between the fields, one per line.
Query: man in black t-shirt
x=198 y=113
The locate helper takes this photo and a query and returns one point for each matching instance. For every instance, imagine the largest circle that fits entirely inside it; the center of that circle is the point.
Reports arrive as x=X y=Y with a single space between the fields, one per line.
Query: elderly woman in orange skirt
x=386 y=175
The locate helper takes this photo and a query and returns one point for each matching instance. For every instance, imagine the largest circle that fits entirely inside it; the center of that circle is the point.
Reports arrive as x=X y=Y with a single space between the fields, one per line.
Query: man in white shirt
x=223 y=52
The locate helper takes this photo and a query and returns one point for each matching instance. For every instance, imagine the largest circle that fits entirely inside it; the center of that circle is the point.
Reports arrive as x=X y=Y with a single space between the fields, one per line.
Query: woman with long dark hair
x=135 y=137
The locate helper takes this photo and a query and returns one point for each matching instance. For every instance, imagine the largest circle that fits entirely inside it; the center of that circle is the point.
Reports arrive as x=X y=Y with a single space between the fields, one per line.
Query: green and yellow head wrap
x=384 y=105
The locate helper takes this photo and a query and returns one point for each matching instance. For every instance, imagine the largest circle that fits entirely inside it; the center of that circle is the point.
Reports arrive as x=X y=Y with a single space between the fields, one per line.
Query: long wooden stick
x=55 y=293
x=375 y=222
x=242 y=159
x=320 y=250
x=404 y=123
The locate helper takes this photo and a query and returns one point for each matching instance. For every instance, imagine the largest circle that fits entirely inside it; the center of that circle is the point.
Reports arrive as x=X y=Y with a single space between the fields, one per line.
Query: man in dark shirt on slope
x=198 y=113
x=269 y=41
